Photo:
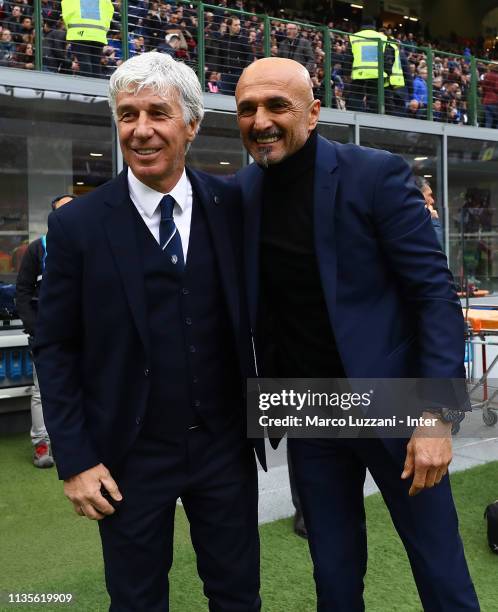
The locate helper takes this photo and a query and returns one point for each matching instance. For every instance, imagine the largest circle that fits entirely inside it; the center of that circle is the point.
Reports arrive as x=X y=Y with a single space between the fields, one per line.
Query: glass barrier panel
x=51 y=143
x=217 y=148
x=473 y=215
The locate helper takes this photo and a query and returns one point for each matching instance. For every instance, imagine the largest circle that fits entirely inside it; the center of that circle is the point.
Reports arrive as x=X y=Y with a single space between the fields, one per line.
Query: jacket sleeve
x=26 y=288
x=57 y=352
x=414 y=255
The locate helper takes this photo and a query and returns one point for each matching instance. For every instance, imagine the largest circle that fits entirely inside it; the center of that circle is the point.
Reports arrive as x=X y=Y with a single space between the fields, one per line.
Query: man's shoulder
x=353 y=154
x=90 y=206
x=219 y=185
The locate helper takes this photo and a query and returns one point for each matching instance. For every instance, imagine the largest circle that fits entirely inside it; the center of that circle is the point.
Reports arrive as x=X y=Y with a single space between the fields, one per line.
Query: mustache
x=268 y=134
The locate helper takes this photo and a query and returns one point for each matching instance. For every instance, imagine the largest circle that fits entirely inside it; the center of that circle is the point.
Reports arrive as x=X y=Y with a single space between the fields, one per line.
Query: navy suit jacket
x=390 y=297
x=92 y=349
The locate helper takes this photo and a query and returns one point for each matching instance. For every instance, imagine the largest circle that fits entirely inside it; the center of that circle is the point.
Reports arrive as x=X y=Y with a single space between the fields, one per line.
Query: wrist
x=445 y=415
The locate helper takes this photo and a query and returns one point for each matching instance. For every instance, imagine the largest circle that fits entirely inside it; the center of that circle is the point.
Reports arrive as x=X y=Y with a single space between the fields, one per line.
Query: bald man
x=344 y=268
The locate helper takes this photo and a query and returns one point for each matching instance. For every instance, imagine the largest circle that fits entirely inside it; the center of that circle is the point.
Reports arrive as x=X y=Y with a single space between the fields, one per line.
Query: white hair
x=161 y=73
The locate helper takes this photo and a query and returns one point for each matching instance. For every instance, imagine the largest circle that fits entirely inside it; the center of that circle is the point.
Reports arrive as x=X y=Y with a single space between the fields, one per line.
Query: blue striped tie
x=169 y=237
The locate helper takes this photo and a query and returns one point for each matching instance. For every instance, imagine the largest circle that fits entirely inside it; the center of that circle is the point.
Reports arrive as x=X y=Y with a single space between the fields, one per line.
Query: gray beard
x=264 y=161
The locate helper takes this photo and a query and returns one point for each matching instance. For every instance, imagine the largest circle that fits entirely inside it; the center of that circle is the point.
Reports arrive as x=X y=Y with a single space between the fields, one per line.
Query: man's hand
x=83 y=490
x=428 y=455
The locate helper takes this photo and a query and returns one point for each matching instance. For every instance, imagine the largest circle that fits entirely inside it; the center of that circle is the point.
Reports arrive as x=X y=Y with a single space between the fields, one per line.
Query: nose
x=143 y=128
x=262 y=119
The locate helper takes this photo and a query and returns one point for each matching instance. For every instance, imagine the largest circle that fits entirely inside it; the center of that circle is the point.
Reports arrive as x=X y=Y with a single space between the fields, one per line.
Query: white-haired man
x=140 y=355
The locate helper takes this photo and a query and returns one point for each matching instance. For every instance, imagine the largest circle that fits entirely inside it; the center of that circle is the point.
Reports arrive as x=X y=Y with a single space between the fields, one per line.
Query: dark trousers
x=329 y=476
x=364 y=96
x=88 y=54
x=491 y=115
x=292 y=481
x=216 y=479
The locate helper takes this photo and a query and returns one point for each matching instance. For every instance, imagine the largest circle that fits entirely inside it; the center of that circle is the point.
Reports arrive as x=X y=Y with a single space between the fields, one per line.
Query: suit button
x=195 y=380
x=185 y=291
x=188 y=321
x=138 y=420
x=197 y=403
x=146 y=371
x=192 y=349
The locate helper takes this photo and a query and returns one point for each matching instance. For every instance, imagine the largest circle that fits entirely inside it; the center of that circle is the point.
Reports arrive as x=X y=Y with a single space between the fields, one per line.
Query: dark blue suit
x=394 y=312
x=142 y=368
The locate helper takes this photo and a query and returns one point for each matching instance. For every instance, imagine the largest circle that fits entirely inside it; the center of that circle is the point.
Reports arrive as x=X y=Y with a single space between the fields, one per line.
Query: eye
x=278 y=106
x=245 y=111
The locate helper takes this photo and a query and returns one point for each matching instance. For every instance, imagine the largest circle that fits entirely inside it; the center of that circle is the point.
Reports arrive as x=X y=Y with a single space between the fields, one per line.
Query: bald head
x=275 y=108
x=278 y=69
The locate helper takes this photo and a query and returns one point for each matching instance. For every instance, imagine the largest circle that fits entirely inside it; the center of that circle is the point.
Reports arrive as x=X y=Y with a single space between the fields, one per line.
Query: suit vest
x=195 y=377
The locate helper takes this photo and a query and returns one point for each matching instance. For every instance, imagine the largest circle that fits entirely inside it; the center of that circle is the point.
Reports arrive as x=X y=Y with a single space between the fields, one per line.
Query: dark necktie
x=169 y=237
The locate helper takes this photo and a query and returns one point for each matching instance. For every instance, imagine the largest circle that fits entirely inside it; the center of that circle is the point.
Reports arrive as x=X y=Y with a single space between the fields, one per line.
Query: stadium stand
x=220 y=39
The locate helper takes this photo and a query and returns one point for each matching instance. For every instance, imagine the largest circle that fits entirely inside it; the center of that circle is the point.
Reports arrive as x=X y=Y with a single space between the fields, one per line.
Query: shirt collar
x=148 y=199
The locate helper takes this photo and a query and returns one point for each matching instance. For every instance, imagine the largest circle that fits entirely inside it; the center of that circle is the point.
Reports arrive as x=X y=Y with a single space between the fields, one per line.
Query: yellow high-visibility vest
x=364 y=45
x=87 y=19
x=396 y=78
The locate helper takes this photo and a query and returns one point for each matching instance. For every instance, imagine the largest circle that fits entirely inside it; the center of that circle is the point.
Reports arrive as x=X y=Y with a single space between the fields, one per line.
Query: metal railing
x=218 y=42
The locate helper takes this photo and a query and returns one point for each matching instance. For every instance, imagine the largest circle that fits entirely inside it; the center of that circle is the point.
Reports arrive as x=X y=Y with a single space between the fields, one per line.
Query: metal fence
x=219 y=43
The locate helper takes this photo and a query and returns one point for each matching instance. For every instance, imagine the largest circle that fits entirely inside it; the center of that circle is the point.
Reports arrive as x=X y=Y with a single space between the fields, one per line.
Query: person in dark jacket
x=232 y=55
x=54 y=47
x=297 y=48
x=27 y=290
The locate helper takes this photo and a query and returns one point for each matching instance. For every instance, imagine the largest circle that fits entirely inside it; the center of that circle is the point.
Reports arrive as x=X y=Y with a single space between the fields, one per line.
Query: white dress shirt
x=147 y=201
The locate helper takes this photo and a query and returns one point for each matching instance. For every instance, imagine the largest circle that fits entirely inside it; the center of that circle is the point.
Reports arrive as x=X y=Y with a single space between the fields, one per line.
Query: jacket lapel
x=325 y=188
x=120 y=230
x=222 y=236
x=251 y=180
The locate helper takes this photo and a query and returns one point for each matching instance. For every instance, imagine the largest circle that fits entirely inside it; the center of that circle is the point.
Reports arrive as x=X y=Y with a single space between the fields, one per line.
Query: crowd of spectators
x=234 y=40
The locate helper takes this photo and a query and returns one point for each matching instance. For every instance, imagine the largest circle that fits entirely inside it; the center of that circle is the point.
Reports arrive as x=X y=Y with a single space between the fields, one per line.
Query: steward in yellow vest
x=364 y=46
x=87 y=20
x=396 y=78
x=87 y=23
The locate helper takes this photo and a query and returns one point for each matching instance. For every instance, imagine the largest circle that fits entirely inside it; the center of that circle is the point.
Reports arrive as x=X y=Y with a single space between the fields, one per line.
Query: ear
x=314 y=114
x=192 y=128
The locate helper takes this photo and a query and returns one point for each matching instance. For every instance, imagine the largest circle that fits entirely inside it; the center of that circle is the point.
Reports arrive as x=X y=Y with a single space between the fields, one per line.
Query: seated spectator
x=213 y=82
x=338 y=99
x=437 y=110
x=138 y=46
x=169 y=45
x=413 y=109
x=25 y=57
x=297 y=48
x=108 y=62
x=13 y=23
x=27 y=30
x=255 y=47
x=318 y=84
x=7 y=48
x=437 y=88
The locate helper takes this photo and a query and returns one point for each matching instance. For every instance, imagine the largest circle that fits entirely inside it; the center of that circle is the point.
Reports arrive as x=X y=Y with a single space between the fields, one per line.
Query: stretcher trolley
x=481 y=357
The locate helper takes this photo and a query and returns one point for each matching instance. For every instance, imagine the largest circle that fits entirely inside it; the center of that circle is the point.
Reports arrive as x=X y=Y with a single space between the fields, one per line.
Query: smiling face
x=275 y=109
x=153 y=137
